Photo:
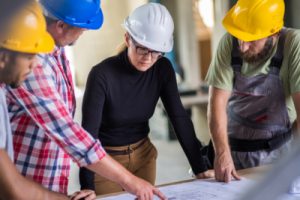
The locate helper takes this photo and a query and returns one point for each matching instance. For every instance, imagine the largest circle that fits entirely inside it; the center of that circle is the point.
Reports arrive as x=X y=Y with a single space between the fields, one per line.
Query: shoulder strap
x=277 y=59
x=236 y=60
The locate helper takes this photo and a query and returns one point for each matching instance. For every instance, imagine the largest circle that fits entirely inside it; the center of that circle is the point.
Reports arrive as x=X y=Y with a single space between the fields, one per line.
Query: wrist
x=222 y=149
x=125 y=180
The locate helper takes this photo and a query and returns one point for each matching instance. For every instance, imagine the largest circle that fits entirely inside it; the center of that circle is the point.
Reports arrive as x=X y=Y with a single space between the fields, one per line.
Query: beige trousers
x=138 y=158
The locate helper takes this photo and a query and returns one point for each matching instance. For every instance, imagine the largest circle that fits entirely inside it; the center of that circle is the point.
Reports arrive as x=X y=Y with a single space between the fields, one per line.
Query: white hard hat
x=152 y=26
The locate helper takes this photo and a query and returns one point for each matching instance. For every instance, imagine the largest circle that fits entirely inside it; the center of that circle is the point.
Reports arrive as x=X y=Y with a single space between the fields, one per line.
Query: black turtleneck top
x=119 y=100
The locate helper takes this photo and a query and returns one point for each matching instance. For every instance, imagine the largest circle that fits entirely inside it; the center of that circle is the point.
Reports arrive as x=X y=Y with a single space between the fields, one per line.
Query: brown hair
x=121 y=47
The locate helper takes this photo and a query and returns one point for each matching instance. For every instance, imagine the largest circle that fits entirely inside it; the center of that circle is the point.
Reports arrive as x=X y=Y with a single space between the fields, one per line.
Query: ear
x=127 y=39
x=4 y=59
x=60 y=26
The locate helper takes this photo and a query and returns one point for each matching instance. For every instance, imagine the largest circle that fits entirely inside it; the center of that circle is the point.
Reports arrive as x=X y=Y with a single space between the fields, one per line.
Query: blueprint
x=200 y=190
x=205 y=190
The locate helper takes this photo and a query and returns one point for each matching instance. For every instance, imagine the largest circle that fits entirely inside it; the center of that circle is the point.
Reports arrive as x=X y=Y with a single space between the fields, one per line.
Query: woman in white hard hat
x=121 y=95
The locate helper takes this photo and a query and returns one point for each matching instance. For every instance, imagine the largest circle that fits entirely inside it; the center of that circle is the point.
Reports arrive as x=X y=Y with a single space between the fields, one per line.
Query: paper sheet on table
x=200 y=190
x=289 y=197
x=206 y=190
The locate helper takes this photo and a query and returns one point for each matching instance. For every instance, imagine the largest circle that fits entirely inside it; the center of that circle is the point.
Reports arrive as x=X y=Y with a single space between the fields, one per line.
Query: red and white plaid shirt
x=45 y=135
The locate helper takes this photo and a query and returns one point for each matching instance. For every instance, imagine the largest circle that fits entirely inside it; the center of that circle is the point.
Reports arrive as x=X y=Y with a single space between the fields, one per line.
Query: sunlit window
x=206 y=10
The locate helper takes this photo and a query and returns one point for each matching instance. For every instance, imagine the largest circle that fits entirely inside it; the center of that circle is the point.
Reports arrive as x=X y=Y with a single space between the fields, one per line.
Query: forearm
x=190 y=144
x=12 y=184
x=112 y=170
x=217 y=119
x=37 y=192
x=218 y=131
x=296 y=124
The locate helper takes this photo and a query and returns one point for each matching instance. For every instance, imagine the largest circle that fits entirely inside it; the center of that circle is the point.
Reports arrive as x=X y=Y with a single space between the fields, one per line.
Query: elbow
x=19 y=194
x=15 y=191
x=13 y=195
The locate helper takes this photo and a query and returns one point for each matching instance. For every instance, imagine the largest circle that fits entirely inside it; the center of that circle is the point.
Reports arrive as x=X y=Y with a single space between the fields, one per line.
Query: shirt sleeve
x=93 y=102
x=293 y=54
x=92 y=109
x=42 y=102
x=3 y=133
x=181 y=122
x=220 y=73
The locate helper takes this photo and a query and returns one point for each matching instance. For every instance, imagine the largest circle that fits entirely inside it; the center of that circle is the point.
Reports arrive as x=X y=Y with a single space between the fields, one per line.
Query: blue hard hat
x=80 y=13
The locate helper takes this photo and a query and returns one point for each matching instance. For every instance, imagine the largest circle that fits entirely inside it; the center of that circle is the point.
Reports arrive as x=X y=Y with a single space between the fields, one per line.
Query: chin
x=144 y=67
x=14 y=85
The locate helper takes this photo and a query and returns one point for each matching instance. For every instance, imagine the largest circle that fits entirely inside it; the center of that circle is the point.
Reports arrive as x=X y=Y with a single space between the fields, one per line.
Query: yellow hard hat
x=250 y=20
x=27 y=32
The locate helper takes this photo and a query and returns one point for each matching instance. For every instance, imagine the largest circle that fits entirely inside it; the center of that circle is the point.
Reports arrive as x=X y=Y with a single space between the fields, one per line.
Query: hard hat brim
x=149 y=45
x=44 y=44
x=153 y=46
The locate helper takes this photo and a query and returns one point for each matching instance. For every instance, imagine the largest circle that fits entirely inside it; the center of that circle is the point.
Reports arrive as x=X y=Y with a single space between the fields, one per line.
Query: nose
x=147 y=56
x=244 y=46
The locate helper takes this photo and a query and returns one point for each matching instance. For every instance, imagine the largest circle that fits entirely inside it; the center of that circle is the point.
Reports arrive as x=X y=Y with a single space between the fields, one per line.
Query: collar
x=57 y=51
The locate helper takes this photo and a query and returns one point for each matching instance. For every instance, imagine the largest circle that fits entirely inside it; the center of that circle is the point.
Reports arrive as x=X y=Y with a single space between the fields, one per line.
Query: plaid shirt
x=45 y=135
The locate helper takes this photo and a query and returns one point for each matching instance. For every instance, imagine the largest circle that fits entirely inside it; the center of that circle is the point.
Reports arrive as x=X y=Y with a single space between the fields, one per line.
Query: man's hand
x=83 y=194
x=206 y=174
x=112 y=170
x=224 y=167
x=142 y=189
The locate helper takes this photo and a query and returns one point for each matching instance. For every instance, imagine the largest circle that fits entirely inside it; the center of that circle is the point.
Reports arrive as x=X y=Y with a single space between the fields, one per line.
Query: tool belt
x=243 y=145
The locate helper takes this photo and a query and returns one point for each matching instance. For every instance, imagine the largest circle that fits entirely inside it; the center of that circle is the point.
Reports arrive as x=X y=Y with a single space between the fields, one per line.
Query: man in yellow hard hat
x=22 y=40
x=254 y=94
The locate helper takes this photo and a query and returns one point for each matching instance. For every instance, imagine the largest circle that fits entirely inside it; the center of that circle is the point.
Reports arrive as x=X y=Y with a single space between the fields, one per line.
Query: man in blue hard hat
x=46 y=137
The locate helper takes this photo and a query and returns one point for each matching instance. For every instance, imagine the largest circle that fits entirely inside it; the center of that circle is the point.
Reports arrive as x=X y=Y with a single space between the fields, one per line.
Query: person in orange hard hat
x=254 y=94
x=25 y=36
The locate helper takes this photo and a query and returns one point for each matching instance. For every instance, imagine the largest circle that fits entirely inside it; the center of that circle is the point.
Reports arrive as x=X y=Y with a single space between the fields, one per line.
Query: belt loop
x=129 y=149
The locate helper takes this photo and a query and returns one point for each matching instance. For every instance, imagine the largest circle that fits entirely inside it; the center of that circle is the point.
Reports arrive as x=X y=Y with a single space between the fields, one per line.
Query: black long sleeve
x=119 y=101
x=182 y=123
x=92 y=106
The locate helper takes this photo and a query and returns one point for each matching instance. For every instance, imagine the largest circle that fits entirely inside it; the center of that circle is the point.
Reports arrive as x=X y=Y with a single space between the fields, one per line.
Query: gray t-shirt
x=5 y=130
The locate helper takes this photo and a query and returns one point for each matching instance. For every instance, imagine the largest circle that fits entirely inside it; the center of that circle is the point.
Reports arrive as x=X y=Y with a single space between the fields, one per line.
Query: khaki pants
x=138 y=158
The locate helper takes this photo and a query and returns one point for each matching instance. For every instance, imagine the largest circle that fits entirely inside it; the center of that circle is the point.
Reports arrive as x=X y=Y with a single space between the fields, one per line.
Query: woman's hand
x=83 y=194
